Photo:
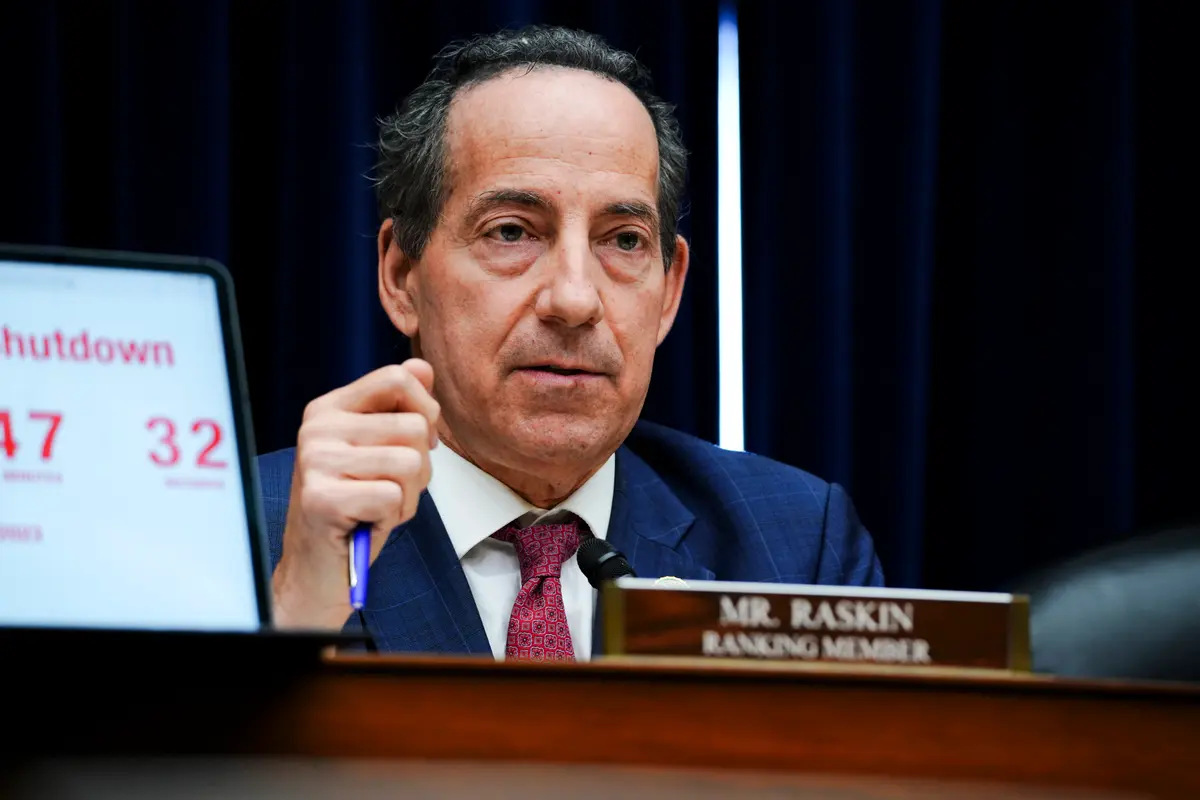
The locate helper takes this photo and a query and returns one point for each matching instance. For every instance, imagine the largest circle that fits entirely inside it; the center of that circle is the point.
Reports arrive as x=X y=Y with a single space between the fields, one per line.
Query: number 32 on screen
x=169 y=452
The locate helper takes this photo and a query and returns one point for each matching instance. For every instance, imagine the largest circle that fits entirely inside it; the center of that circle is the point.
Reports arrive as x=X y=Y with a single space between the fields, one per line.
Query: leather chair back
x=1129 y=610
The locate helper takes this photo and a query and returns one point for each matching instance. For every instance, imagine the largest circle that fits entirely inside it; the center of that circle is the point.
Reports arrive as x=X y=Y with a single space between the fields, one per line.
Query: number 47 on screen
x=167 y=453
x=8 y=442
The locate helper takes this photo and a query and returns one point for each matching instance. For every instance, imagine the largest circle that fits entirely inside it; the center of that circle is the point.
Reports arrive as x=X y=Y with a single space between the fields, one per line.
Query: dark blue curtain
x=966 y=228
x=963 y=224
x=241 y=131
x=840 y=135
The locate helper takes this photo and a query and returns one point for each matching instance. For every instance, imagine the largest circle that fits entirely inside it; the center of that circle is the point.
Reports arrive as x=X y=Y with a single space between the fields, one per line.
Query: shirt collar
x=473 y=505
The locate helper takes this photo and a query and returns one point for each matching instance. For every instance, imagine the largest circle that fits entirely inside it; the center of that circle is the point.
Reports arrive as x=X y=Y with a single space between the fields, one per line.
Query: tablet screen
x=121 y=495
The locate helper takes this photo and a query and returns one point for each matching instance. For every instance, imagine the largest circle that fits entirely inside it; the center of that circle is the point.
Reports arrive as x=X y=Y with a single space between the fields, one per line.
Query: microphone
x=600 y=561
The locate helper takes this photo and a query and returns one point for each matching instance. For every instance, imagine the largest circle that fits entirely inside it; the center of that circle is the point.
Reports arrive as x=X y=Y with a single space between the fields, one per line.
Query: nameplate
x=850 y=625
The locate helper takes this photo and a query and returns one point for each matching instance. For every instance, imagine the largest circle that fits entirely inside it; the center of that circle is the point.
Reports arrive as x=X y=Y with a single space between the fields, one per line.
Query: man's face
x=542 y=295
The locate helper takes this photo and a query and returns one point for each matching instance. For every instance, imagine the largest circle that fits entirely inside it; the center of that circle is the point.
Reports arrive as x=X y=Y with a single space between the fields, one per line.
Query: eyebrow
x=636 y=209
x=488 y=201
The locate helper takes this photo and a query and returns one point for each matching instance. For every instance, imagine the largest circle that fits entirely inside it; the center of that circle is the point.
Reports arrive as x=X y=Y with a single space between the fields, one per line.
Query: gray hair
x=410 y=175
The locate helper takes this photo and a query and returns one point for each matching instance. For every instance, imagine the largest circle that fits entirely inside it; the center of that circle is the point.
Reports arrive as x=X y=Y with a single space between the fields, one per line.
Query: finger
x=422 y=371
x=390 y=388
x=403 y=465
x=413 y=487
x=403 y=428
x=352 y=501
x=406 y=466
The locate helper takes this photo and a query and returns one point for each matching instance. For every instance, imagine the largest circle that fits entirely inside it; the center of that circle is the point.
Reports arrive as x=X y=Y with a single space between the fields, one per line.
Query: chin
x=560 y=439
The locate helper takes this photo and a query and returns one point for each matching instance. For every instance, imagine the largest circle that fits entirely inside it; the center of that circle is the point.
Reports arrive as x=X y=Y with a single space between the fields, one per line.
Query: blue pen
x=360 y=561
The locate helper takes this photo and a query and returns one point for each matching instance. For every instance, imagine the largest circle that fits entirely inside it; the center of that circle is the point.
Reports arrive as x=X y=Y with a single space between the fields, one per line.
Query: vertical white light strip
x=730 y=403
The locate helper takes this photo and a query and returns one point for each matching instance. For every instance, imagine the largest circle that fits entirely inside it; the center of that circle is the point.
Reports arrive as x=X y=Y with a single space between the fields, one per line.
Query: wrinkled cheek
x=639 y=363
x=451 y=349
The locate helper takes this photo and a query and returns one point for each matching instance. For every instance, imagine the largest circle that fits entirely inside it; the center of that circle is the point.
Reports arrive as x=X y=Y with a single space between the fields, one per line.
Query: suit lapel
x=419 y=600
x=648 y=524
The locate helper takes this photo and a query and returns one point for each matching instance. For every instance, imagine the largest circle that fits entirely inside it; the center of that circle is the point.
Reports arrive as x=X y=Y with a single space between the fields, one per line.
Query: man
x=530 y=190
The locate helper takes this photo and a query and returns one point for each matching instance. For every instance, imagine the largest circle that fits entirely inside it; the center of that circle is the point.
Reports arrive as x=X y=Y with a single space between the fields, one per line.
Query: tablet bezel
x=234 y=366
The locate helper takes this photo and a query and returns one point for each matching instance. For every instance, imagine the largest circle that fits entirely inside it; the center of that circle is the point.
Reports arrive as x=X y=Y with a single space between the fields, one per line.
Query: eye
x=508 y=232
x=628 y=240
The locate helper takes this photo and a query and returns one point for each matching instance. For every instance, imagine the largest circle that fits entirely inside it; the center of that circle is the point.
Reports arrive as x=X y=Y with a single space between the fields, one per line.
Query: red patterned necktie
x=537 y=629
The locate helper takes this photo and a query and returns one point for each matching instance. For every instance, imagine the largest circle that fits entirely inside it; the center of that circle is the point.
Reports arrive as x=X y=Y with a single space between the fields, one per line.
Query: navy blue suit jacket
x=681 y=507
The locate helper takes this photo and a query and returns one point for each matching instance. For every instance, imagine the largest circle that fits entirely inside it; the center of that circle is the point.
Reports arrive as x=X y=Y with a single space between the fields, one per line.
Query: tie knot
x=542 y=549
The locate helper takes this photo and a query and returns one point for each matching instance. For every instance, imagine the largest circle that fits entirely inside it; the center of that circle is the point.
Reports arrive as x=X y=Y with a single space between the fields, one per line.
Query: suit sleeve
x=274 y=482
x=848 y=552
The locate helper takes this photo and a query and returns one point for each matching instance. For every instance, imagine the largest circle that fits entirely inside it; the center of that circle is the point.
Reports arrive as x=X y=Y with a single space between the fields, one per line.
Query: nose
x=570 y=296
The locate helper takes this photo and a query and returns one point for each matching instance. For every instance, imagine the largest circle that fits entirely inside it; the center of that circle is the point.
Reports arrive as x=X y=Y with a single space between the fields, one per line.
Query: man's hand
x=362 y=455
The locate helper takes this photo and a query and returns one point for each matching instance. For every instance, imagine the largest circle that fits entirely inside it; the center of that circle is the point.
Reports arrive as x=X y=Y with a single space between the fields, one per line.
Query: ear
x=673 y=291
x=396 y=282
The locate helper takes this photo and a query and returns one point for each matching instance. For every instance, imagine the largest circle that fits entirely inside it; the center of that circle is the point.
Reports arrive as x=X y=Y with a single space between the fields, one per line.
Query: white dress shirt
x=474 y=505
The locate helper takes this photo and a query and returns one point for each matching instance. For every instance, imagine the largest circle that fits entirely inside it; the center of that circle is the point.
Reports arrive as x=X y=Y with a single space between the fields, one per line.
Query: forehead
x=552 y=128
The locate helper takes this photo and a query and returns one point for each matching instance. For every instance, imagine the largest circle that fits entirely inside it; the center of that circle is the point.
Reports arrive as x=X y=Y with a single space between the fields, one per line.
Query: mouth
x=559 y=370
x=556 y=373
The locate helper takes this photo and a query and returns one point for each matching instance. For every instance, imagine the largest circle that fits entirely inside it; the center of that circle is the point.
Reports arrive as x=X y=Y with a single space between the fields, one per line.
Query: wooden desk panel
x=860 y=722
x=801 y=720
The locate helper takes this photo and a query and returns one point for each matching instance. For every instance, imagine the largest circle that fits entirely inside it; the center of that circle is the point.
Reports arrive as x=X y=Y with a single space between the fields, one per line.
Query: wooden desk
x=874 y=733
